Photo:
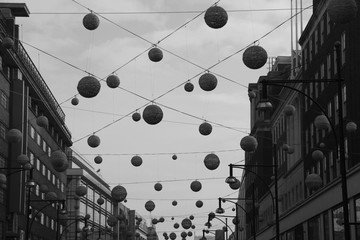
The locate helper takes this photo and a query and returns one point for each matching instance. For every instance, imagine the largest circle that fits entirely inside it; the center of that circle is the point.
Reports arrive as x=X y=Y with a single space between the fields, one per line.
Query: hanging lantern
x=190 y=233
x=136 y=116
x=189 y=87
x=321 y=122
x=51 y=196
x=43 y=188
x=150 y=205
x=174 y=157
x=252 y=94
x=205 y=128
x=235 y=185
x=81 y=190
x=313 y=181
x=75 y=101
x=42 y=121
x=3 y=178
x=7 y=42
x=255 y=57
x=158 y=187
x=93 y=141
x=98 y=159
x=111 y=221
x=88 y=87
x=289 y=110
x=183 y=235
x=100 y=201
x=58 y=160
x=13 y=135
x=317 y=155
x=119 y=193
x=248 y=143
x=172 y=236
x=154 y=221
x=186 y=223
x=215 y=17
x=113 y=81
x=176 y=225
x=22 y=159
x=199 y=203
x=152 y=114
x=155 y=54
x=212 y=161
x=91 y=21
x=195 y=186
x=174 y=203
x=342 y=11
x=207 y=82
x=136 y=161
x=351 y=127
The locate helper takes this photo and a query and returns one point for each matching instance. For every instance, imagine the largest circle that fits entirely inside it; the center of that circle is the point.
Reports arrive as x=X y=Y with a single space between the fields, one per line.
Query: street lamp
x=339 y=140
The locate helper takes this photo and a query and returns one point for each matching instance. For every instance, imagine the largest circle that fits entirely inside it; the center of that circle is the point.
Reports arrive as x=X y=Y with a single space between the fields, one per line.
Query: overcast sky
x=127 y=28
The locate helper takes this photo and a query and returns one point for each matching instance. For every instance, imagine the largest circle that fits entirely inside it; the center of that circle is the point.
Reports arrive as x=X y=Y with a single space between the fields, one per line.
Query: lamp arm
x=225 y=224
x=33 y=218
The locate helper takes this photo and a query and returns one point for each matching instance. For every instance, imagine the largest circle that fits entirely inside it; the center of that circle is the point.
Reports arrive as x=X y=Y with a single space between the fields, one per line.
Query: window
x=3 y=130
x=32 y=132
x=38 y=139
x=322 y=26
x=338 y=223
x=328 y=24
x=43 y=170
x=311 y=135
x=336 y=105
x=322 y=71
x=343 y=48
x=314 y=228
x=316 y=42
x=44 y=146
x=4 y=101
x=329 y=109
x=306 y=141
x=305 y=58
x=344 y=100
x=310 y=50
x=357 y=217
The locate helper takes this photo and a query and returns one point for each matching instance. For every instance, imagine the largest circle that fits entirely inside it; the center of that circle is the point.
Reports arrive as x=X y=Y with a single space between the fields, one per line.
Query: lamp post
x=212 y=215
x=340 y=143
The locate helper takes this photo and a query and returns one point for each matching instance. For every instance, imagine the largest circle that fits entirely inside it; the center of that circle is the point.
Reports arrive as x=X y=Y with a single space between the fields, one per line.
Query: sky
x=64 y=52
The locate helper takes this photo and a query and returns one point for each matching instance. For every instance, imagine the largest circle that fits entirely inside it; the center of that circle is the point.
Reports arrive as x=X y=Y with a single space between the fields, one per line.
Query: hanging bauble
x=205 y=128
x=189 y=87
x=285 y=147
x=136 y=161
x=190 y=233
x=176 y=225
x=248 y=143
x=155 y=54
x=207 y=82
x=3 y=178
x=152 y=114
x=7 y=42
x=43 y=188
x=183 y=234
x=351 y=127
x=13 y=135
x=98 y=159
x=174 y=203
x=317 y=155
x=193 y=226
x=150 y=205
x=313 y=181
x=191 y=217
x=75 y=101
x=100 y=201
x=27 y=166
x=136 y=116
x=119 y=193
x=51 y=196
x=88 y=87
x=172 y=236
x=215 y=17
x=212 y=161
x=199 y=203
x=321 y=122
x=22 y=159
x=91 y=21
x=252 y=94
x=255 y=57
x=42 y=121
x=161 y=219
x=137 y=234
x=342 y=11
x=186 y=223
x=195 y=186
x=158 y=187
x=290 y=150
x=113 y=81
x=235 y=185
x=289 y=110
x=58 y=159
x=235 y=221
x=93 y=141
x=111 y=221
x=174 y=157
x=81 y=190
x=154 y=221
x=172 y=218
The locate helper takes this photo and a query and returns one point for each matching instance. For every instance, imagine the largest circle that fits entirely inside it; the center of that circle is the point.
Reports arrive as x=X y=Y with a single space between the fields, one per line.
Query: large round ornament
x=93 y=141
x=205 y=128
x=186 y=223
x=111 y=221
x=152 y=114
x=42 y=121
x=321 y=122
x=58 y=160
x=81 y=190
x=254 y=57
x=155 y=54
x=43 y=188
x=342 y=11
x=248 y=143
x=150 y=205
x=172 y=236
x=51 y=196
x=207 y=82
x=22 y=159
x=88 y=87
x=13 y=135
x=215 y=17
x=98 y=159
x=212 y=161
x=100 y=201
x=317 y=155
x=313 y=181
x=158 y=187
x=183 y=235
x=7 y=42
x=195 y=186
x=113 y=81
x=136 y=161
x=351 y=127
x=199 y=203
x=91 y=21
x=119 y=193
